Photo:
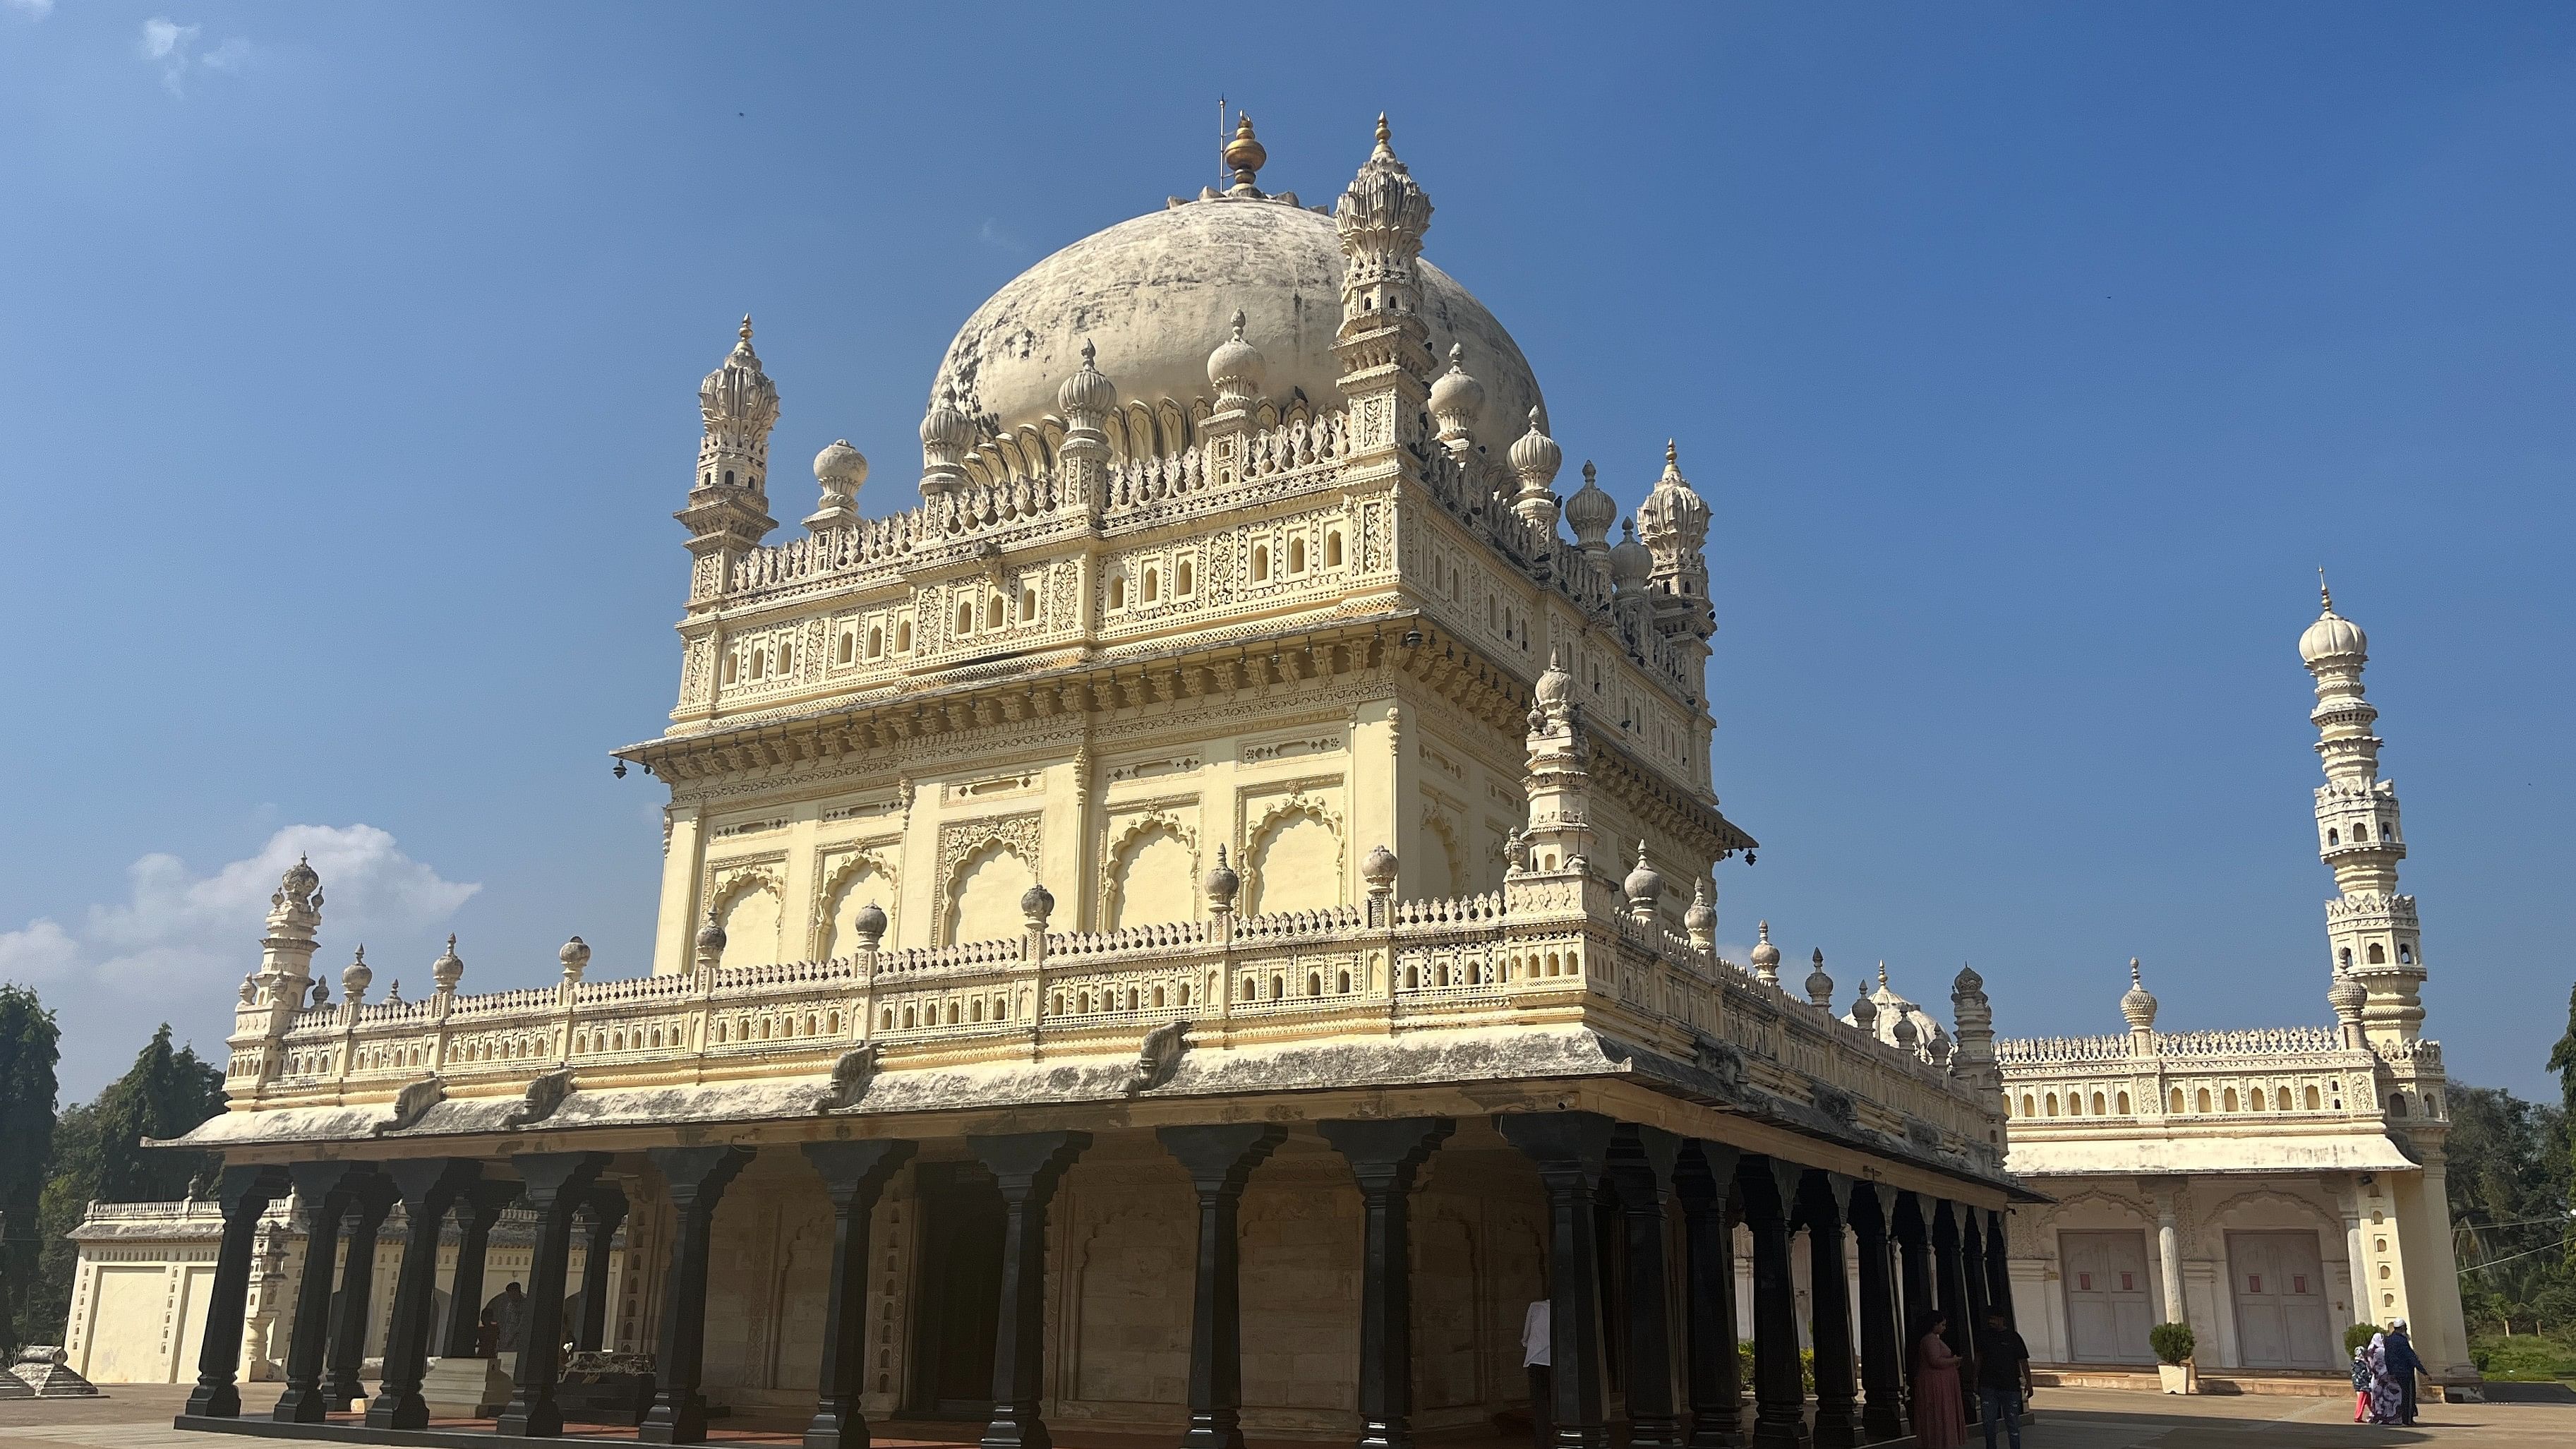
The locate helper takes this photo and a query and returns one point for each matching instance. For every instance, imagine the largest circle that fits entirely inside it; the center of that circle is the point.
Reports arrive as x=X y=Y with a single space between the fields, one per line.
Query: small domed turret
x=448 y=969
x=1591 y=512
x=1701 y=918
x=2347 y=996
x=711 y=936
x=869 y=925
x=1645 y=884
x=2332 y=636
x=1864 y=1012
x=1673 y=516
x=1036 y=904
x=1555 y=686
x=2137 y=1003
x=1630 y=563
x=840 y=468
x=1235 y=368
x=1536 y=457
x=299 y=883
x=945 y=426
x=1222 y=884
x=355 y=976
x=575 y=957
x=1378 y=868
x=1766 y=957
x=1820 y=987
x=1457 y=399
x=1087 y=391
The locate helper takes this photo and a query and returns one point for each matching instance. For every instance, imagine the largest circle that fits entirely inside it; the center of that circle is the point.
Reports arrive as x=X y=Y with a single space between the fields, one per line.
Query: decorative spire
x=1590 y=513
x=448 y=969
x=947 y=436
x=728 y=500
x=1457 y=400
x=355 y=976
x=1766 y=957
x=1820 y=987
x=1673 y=522
x=1244 y=156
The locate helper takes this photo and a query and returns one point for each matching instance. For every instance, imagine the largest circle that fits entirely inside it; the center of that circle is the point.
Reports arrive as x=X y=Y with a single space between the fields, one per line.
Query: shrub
x=2173 y=1342
x=1744 y=1360
x=2357 y=1335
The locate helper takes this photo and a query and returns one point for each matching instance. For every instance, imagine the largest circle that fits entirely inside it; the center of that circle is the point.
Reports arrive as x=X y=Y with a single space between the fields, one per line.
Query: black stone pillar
x=1572 y=1150
x=1026 y=1166
x=1703 y=1178
x=1999 y=1268
x=1914 y=1257
x=697 y=1178
x=854 y=1173
x=1825 y=1202
x=1950 y=1283
x=323 y=1192
x=244 y=1192
x=551 y=1185
x=1770 y=1188
x=1972 y=1265
x=1219 y=1160
x=1642 y=1161
x=477 y=1208
x=349 y=1315
x=1384 y=1154
x=428 y=1186
x=1882 y=1378
x=605 y=1208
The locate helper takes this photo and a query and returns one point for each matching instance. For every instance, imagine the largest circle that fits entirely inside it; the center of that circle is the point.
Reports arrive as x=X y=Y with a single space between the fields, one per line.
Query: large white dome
x=1155 y=296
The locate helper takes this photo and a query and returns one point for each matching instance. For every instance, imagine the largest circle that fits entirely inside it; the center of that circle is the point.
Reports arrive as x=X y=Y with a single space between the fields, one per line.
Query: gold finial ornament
x=746 y=327
x=2325 y=596
x=1244 y=153
x=1381 y=128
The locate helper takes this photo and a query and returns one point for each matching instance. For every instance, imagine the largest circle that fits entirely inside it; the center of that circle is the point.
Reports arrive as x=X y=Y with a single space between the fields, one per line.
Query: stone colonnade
x=1681 y=1378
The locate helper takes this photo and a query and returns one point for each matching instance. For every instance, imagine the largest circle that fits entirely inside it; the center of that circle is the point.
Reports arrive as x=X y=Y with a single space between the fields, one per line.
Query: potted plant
x=2173 y=1343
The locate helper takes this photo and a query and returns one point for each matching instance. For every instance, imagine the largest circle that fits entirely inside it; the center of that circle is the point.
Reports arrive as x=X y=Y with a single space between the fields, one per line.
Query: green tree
x=2508 y=1197
x=29 y=1047
x=99 y=1157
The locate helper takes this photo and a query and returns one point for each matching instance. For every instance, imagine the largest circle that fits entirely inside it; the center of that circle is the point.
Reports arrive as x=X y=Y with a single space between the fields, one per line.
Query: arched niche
x=984 y=898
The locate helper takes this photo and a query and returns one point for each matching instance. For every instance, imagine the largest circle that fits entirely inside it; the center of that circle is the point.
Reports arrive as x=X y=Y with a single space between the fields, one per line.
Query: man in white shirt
x=1537 y=1355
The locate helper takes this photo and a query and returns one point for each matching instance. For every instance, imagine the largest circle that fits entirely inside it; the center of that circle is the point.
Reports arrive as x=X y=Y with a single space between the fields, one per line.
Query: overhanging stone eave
x=1518 y=1059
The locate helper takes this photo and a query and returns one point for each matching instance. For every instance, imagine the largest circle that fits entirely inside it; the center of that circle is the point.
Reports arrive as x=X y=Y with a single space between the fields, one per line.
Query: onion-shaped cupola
x=448 y=969
x=838 y=471
x=947 y=436
x=1223 y=884
x=1380 y=220
x=1235 y=369
x=1088 y=393
x=355 y=976
x=1457 y=400
x=1630 y=564
x=2138 y=1004
x=2332 y=639
x=1591 y=514
x=1766 y=957
x=1645 y=884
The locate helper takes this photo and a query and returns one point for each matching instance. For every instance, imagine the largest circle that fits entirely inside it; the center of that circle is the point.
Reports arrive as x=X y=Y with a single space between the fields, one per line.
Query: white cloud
x=43 y=952
x=177 y=945
x=172 y=48
x=31 y=9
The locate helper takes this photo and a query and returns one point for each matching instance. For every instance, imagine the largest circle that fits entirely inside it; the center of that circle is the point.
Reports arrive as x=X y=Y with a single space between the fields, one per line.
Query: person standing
x=2003 y=1376
x=2383 y=1384
x=2403 y=1363
x=2361 y=1383
x=505 y=1319
x=1940 y=1418
x=1537 y=1356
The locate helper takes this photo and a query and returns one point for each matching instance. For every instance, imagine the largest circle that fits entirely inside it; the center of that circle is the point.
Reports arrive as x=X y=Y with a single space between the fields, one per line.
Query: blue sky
x=2032 y=358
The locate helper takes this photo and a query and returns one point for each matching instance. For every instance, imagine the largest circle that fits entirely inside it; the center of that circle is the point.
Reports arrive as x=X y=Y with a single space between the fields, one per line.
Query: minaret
x=1560 y=789
x=275 y=993
x=2370 y=927
x=1383 y=343
x=1673 y=524
x=728 y=512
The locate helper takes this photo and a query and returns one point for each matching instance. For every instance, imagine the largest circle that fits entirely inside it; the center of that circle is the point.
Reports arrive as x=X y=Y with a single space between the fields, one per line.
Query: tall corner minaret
x=2370 y=927
x=1383 y=343
x=728 y=510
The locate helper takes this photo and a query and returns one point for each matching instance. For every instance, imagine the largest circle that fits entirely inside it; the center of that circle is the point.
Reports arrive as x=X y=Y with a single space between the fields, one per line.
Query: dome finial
x=746 y=327
x=2137 y=1004
x=1088 y=352
x=1238 y=324
x=1383 y=146
x=1672 y=454
x=1244 y=154
x=2325 y=596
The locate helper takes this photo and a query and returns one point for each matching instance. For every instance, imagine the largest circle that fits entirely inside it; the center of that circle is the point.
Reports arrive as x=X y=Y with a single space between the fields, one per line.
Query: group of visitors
x=2003 y=1382
x=2383 y=1378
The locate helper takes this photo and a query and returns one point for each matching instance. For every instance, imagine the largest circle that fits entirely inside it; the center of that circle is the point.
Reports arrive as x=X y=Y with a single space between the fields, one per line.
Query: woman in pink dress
x=1940 y=1419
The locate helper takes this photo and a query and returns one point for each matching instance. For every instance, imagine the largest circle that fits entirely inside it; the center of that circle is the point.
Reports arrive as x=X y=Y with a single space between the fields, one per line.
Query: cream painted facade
x=139 y=1288
x=2269 y=1187
x=1223 y=799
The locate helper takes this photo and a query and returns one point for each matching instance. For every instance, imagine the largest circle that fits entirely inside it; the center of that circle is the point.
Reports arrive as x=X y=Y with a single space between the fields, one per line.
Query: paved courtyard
x=138 y=1417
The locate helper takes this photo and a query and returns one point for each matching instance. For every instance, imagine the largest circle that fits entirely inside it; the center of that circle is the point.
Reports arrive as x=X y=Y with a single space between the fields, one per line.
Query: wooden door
x=960 y=1295
x=2107 y=1313
x=2278 y=1285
